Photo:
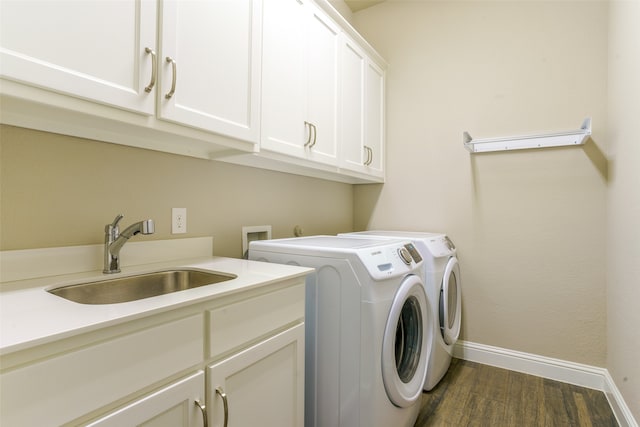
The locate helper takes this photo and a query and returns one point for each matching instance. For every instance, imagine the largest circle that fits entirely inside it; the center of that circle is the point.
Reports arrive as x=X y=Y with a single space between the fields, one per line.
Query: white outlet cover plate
x=178 y=220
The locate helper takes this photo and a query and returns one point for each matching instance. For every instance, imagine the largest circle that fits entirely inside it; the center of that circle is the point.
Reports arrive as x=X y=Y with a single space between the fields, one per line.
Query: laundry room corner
x=529 y=225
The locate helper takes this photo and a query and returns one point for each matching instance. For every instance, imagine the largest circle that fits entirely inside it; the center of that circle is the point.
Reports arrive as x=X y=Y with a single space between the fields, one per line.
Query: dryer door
x=405 y=345
x=451 y=302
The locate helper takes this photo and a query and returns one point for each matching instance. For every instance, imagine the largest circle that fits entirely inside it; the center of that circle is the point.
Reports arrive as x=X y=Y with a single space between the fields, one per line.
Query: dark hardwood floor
x=472 y=394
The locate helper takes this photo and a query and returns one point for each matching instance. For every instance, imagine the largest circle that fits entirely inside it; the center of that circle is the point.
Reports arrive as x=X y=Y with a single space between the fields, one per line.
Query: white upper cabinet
x=322 y=90
x=209 y=65
x=283 y=77
x=286 y=85
x=300 y=81
x=192 y=68
x=362 y=112
x=374 y=120
x=95 y=50
x=354 y=64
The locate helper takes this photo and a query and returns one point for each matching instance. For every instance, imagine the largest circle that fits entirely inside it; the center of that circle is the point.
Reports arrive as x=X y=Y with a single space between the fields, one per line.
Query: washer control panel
x=405 y=256
x=390 y=260
x=414 y=252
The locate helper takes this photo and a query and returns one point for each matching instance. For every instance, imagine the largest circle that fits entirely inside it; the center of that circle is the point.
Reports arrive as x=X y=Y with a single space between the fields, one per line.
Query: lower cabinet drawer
x=234 y=325
x=94 y=376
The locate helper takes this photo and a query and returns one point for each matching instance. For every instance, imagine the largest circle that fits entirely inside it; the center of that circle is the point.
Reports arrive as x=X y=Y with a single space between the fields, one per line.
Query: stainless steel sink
x=132 y=288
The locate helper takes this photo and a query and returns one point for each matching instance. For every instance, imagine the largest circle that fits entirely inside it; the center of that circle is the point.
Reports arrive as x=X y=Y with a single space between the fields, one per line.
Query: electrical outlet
x=178 y=220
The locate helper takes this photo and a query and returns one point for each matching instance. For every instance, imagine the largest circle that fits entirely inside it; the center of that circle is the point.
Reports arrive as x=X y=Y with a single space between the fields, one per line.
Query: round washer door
x=451 y=302
x=405 y=344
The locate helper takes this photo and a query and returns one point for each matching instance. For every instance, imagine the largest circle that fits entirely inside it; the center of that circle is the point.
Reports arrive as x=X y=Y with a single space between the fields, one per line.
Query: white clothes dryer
x=364 y=336
x=440 y=272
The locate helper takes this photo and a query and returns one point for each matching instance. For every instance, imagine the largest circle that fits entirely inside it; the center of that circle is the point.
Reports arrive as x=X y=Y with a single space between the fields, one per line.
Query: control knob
x=405 y=256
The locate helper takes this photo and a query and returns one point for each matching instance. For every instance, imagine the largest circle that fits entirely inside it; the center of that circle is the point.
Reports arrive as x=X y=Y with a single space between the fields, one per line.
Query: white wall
x=529 y=225
x=623 y=223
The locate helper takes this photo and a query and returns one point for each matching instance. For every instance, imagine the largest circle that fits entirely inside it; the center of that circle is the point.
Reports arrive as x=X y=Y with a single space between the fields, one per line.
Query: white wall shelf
x=576 y=137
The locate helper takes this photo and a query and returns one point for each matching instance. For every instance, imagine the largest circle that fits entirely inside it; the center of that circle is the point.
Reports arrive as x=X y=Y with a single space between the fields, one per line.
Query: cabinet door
x=354 y=64
x=93 y=50
x=210 y=65
x=284 y=77
x=172 y=406
x=262 y=385
x=322 y=85
x=374 y=128
x=362 y=112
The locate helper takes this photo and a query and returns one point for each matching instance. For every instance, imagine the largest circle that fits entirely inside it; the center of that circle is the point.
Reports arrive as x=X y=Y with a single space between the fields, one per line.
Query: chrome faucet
x=114 y=241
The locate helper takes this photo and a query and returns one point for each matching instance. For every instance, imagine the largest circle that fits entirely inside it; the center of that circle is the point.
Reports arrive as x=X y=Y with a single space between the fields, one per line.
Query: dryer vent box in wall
x=255 y=232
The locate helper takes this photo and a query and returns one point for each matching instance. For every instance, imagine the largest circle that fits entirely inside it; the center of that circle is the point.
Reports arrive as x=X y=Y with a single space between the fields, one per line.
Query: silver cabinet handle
x=312 y=131
x=308 y=125
x=225 y=404
x=154 y=69
x=203 y=409
x=173 y=80
x=369 y=156
x=315 y=134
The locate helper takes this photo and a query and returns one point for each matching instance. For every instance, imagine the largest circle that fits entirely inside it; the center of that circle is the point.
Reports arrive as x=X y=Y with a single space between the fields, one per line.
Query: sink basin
x=133 y=288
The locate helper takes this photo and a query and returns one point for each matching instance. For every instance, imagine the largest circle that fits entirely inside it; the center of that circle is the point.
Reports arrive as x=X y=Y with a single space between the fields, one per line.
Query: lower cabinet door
x=172 y=406
x=262 y=385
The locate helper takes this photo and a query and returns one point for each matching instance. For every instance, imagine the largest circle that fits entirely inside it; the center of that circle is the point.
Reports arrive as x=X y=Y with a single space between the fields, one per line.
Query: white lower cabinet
x=261 y=385
x=69 y=384
x=267 y=379
x=164 y=370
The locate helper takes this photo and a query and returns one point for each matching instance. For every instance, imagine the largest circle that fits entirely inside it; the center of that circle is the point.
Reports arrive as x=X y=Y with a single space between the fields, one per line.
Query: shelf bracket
x=576 y=137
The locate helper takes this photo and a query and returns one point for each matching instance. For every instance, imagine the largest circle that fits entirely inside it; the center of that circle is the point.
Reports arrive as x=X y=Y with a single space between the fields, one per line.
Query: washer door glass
x=451 y=302
x=406 y=343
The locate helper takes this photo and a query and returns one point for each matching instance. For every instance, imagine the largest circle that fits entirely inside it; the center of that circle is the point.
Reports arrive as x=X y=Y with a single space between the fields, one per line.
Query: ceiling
x=356 y=5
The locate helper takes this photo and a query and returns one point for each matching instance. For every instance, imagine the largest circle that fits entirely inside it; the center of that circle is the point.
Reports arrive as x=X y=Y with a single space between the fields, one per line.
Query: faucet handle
x=109 y=228
x=117 y=220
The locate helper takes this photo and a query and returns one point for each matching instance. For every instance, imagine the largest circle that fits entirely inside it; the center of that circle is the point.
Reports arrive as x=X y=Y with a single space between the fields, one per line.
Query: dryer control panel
x=441 y=246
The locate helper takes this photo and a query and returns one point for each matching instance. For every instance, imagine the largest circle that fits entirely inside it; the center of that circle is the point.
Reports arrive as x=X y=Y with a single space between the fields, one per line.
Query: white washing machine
x=365 y=339
x=440 y=272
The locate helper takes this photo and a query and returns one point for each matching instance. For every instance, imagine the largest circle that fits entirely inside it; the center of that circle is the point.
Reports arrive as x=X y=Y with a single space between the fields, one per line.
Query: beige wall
x=529 y=225
x=61 y=191
x=343 y=9
x=623 y=225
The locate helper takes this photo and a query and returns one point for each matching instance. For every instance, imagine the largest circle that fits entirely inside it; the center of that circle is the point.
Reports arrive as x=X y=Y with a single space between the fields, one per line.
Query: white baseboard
x=546 y=367
x=618 y=405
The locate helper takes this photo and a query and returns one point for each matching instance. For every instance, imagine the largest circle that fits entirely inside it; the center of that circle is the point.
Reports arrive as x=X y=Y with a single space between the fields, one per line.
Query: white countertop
x=30 y=316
